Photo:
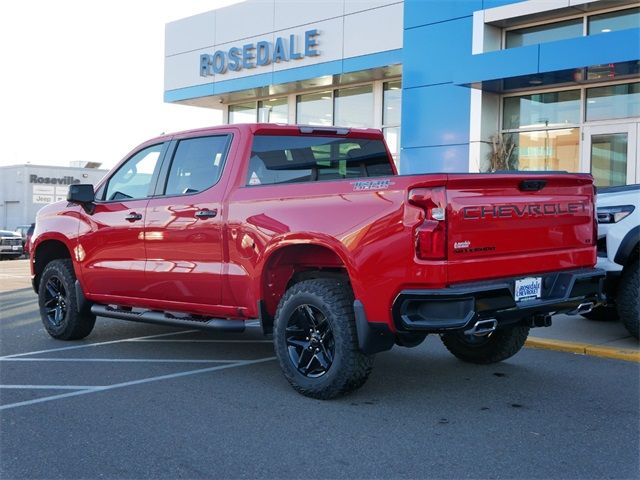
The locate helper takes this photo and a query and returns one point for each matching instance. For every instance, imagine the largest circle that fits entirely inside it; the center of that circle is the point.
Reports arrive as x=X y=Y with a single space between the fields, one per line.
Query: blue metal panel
x=188 y=92
x=374 y=60
x=435 y=115
x=496 y=3
x=310 y=71
x=448 y=158
x=499 y=64
x=242 y=83
x=613 y=47
x=432 y=53
x=425 y=12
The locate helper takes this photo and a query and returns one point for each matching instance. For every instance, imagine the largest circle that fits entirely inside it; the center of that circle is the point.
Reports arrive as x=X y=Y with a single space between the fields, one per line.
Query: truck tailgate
x=505 y=224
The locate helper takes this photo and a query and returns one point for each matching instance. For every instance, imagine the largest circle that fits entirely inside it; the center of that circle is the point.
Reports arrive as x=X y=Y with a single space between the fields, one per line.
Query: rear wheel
x=57 y=300
x=484 y=349
x=316 y=341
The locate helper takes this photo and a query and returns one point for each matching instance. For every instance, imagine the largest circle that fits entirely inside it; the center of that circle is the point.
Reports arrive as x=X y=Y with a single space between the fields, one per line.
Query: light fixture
x=605 y=30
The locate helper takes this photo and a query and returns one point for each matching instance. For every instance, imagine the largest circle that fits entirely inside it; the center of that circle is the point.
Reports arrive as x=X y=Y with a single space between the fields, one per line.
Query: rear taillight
x=431 y=235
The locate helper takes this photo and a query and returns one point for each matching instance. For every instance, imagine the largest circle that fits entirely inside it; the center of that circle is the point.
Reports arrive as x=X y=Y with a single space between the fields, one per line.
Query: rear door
x=506 y=224
x=183 y=227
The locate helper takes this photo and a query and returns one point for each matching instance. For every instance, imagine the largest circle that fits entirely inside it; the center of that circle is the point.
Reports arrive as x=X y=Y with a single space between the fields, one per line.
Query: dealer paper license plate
x=528 y=288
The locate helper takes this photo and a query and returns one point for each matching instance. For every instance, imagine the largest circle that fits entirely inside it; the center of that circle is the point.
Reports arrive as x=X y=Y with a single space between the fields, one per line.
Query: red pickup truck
x=312 y=231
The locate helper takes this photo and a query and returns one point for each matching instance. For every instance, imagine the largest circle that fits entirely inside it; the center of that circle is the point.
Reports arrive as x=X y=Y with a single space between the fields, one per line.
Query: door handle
x=133 y=217
x=206 y=213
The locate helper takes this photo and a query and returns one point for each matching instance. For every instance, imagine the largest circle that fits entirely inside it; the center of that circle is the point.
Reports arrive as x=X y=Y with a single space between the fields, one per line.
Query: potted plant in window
x=501 y=155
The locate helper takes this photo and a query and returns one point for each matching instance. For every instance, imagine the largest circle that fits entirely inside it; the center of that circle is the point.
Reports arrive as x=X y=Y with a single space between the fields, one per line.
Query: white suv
x=618 y=240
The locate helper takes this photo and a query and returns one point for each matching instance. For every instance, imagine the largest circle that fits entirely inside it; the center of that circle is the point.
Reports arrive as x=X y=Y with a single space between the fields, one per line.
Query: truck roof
x=279 y=129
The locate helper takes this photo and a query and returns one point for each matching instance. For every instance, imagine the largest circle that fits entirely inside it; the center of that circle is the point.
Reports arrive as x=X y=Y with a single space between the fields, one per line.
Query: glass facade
x=613 y=21
x=315 y=108
x=609 y=159
x=547 y=149
x=273 y=110
x=614 y=101
x=572 y=28
x=544 y=33
x=242 y=113
x=546 y=129
x=391 y=115
x=353 y=107
x=542 y=110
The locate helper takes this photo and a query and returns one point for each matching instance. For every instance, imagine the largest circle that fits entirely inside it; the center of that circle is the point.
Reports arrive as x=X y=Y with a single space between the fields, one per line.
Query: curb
x=626 y=354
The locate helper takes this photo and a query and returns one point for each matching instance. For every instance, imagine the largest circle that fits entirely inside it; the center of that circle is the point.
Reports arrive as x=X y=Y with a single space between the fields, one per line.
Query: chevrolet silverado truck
x=312 y=232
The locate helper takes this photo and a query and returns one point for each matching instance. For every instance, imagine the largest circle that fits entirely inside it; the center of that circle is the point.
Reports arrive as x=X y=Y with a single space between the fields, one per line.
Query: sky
x=83 y=80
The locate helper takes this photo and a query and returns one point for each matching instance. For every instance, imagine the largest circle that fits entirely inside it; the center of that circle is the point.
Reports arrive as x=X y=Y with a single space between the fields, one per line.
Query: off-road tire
x=602 y=314
x=73 y=325
x=501 y=344
x=350 y=367
x=628 y=299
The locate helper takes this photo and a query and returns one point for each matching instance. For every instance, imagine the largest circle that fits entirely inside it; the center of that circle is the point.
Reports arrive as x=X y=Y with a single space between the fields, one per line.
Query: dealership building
x=25 y=189
x=456 y=86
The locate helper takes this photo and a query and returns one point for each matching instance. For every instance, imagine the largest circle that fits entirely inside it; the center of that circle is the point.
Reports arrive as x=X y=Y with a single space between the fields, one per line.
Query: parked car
x=22 y=231
x=10 y=244
x=27 y=242
x=311 y=231
x=618 y=252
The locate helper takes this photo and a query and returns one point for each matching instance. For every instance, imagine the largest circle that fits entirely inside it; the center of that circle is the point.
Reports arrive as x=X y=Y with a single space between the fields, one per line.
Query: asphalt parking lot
x=141 y=401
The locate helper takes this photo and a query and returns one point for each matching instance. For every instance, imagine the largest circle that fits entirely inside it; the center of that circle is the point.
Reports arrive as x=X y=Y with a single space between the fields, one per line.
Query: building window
x=613 y=21
x=545 y=130
x=353 y=107
x=242 y=113
x=546 y=110
x=273 y=110
x=613 y=101
x=391 y=115
x=544 y=33
x=593 y=24
x=315 y=108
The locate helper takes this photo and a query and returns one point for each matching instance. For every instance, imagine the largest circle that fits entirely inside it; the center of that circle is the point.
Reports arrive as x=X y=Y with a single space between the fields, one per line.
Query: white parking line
x=85 y=345
x=133 y=382
x=49 y=387
x=116 y=360
x=195 y=340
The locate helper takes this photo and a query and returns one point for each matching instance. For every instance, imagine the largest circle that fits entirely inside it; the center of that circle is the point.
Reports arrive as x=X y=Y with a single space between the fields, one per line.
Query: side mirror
x=82 y=193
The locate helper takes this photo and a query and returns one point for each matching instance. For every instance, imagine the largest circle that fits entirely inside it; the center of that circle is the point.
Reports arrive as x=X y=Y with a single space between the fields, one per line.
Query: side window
x=289 y=159
x=197 y=164
x=133 y=179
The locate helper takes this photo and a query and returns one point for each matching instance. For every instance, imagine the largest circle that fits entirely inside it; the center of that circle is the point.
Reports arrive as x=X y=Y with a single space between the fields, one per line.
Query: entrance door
x=610 y=153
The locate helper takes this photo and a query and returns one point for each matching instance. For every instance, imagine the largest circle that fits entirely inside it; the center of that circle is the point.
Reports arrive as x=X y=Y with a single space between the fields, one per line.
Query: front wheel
x=316 y=341
x=492 y=348
x=57 y=300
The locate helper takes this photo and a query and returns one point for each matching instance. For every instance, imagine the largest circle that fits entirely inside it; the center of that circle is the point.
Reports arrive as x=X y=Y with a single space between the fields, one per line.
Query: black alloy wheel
x=55 y=301
x=310 y=342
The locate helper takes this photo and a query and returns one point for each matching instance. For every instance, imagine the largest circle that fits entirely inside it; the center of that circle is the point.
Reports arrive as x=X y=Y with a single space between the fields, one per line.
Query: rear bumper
x=460 y=306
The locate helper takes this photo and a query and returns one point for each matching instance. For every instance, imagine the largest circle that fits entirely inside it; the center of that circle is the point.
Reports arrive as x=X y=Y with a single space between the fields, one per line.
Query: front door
x=183 y=232
x=610 y=153
x=111 y=240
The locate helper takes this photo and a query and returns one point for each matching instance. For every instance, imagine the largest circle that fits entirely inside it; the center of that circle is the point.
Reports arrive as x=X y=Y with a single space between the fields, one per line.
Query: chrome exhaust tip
x=582 y=308
x=482 y=327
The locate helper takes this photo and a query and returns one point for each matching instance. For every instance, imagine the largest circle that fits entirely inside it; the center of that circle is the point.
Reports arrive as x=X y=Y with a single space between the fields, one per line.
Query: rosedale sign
x=259 y=54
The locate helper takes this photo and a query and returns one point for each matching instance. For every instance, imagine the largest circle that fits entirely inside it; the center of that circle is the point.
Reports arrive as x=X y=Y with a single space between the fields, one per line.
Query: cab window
x=197 y=164
x=133 y=179
x=292 y=159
